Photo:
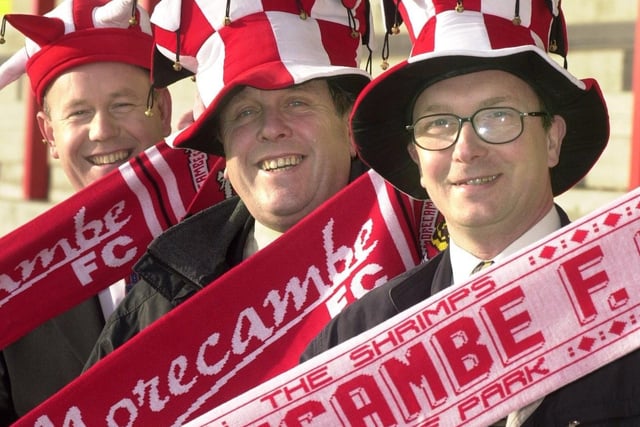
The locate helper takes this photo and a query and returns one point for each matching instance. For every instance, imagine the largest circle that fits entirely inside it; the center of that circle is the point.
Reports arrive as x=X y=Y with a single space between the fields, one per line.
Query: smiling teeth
x=106 y=159
x=483 y=180
x=282 y=162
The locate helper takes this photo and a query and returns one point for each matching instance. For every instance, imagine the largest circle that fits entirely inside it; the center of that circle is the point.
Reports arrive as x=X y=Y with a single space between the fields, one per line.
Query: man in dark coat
x=484 y=123
x=279 y=117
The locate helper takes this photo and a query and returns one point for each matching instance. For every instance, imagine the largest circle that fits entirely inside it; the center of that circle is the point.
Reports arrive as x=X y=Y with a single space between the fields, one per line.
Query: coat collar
x=198 y=247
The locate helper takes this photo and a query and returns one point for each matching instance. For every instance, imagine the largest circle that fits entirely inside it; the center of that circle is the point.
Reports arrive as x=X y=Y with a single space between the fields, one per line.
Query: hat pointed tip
x=40 y=29
x=13 y=68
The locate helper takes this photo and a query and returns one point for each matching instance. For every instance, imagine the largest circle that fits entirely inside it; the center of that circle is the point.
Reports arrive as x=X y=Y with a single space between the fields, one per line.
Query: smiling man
x=485 y=123
x=93 y=118
x=276 y=110
x=479 y=165
x=88 y=64
x=300 y=158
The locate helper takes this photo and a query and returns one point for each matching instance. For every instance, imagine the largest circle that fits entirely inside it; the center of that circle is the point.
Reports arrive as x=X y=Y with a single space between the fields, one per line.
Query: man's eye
x=122 y=108
x=77 y=114
x=501 y=113
x=297 y=103
x=440 y=123
x=245 y=113
x=498 y=115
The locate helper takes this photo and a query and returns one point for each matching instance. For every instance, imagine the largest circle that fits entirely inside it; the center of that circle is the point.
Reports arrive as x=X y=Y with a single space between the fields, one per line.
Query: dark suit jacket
x=43 y=361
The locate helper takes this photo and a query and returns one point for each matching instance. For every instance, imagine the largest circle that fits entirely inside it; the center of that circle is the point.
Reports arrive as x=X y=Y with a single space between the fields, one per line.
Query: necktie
x=482 y=265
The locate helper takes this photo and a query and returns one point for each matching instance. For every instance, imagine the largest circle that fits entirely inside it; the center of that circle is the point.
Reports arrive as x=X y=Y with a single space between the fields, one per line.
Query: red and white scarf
x=92 y=239
x=253 y=322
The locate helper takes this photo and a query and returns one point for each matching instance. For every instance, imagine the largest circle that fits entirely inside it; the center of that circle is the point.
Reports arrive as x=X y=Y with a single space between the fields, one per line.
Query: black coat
x=46 y=359
x=609 y=396
x=177 y=264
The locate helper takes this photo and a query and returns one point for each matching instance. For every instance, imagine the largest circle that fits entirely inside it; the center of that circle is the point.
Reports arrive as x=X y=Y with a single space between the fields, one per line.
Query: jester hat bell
x=265 y=44
x=75 y=33
x=452 y=38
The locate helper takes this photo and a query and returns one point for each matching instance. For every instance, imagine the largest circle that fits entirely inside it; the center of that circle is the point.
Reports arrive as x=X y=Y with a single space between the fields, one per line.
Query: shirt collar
x=259 y=237
x=462 y=262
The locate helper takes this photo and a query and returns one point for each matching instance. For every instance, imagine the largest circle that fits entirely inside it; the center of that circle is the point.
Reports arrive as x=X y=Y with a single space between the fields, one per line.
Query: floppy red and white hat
x=266 y=44
x=78 y=32
x=451 y=38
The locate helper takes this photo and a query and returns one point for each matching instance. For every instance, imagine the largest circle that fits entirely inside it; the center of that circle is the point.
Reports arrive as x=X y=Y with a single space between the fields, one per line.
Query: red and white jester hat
x=451 y=38
x=266 y=44
x=78 y=32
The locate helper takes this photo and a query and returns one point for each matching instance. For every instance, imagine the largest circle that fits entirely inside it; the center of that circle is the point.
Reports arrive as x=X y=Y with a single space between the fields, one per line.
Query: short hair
x=342 y=98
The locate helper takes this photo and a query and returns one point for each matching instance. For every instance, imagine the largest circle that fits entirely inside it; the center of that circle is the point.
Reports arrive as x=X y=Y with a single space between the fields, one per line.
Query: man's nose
x=275 y=125
x=469 y=144
x=103 y=126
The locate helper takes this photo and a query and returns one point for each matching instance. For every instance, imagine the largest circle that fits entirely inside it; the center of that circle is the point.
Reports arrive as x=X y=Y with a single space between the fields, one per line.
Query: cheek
x=66 y=144
x=339 y=138
x=153 y=125
x=147 y=131
x=425 y=169
x=429 y=164
x=231 y=174
x=236 y=143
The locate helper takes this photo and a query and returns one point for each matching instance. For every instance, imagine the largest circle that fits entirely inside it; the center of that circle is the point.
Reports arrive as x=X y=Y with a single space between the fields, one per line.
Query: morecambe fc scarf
x=92 y=239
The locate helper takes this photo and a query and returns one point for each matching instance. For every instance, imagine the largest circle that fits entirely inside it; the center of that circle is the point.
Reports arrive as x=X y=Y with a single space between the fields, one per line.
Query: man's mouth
x=107 y=159
x=478 y=181
x=280 y=163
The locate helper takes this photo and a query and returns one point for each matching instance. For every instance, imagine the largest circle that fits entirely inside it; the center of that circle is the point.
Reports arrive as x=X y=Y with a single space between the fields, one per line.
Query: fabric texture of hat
x=78 y=32
x=452 y=38
x=266 y=44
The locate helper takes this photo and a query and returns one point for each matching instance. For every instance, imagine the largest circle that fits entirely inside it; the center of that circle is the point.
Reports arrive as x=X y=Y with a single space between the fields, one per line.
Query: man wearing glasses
x=482 y=121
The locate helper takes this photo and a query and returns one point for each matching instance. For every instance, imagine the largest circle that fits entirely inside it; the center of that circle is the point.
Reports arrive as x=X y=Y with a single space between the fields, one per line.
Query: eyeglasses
x=494 y=125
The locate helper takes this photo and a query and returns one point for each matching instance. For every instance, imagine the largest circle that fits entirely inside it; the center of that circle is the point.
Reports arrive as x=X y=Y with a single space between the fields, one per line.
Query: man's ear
x=353 y=152
x=555 y=136
x=44 y=123
x=163 y=99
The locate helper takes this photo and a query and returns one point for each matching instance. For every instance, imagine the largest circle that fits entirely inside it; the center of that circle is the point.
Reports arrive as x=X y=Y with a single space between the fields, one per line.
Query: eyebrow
x=495 y=100
x=125 y=92
x=485 y=103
